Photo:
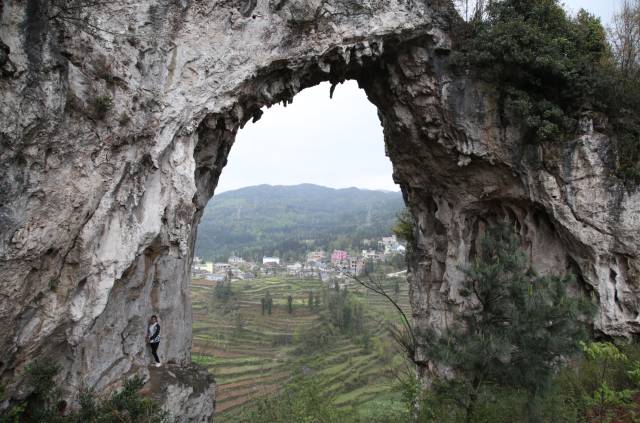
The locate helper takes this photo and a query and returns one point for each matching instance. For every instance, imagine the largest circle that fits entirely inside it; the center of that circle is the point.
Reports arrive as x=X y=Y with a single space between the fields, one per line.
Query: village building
x=390 y=245
x=339 y=256
x=217 y=277
x=316 y=265
x=356 y=265
x=371 y=255
x=199 y=267
x=316 y=256
x=308 y=272
x=222 y=267
x=294 y=269
x=235 y=260
x=271 y=260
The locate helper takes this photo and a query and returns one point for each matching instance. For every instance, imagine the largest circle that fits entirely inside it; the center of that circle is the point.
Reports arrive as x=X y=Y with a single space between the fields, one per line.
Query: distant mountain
x=288 y=221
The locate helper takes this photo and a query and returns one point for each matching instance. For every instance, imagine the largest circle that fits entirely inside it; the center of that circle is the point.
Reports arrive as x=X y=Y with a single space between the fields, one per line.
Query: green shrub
x=405 y=226
x=39 y=405
x=300 y=401
x=125 y=406
x=100 y=106
x=602 y=385
x=45 y=402
x=383 y=411
x=314 y=338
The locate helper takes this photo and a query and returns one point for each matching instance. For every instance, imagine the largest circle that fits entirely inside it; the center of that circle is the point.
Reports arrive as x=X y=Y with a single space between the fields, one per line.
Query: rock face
x=116 y=120
x=186 y=392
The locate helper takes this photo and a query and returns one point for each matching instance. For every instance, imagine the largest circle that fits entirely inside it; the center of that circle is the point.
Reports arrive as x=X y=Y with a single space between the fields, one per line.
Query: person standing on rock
x=153 y=337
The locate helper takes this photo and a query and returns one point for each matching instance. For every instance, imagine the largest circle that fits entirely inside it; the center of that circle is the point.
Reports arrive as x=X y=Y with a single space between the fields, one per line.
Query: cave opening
x=304 y=184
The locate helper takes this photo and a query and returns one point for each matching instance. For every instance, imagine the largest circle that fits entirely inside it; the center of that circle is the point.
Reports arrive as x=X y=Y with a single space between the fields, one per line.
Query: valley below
x=254 y=355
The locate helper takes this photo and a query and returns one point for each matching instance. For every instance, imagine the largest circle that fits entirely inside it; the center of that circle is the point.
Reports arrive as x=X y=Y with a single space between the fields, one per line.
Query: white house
x=271 y=260
x=222 y=267
x=370 y=255
x=206 y=267
x=316 y=256
x=391 y=245
x=235 y=260
x=294 y=269
x=217 y=277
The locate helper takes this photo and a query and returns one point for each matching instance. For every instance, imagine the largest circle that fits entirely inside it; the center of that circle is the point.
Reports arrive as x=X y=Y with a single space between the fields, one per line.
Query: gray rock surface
x=185 y=392
x=116 y=120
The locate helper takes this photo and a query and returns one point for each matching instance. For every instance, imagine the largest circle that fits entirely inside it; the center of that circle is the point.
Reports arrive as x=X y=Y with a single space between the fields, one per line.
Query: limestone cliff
x=116 y=120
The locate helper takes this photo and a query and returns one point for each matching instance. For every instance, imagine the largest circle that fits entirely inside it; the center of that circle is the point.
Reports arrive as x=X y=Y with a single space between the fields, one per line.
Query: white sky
x=336 y=143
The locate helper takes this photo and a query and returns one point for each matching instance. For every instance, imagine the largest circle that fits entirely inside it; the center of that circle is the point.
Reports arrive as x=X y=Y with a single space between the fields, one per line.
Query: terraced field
x=252 y=355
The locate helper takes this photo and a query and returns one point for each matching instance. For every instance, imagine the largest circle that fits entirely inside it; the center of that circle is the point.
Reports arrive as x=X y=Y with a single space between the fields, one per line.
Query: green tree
x=268 y=302
x=223 y=291
x=396 y=286
x=316 y=301
x=515 y=327
x=405 y=226
x=347 y=316
x=358 y=319
x=607 y=403
x=366 y=342
x=369 y=267
x=239 y=322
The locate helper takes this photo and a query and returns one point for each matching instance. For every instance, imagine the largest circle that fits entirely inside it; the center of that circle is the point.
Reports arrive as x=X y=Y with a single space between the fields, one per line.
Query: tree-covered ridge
x=290 y=220
x=552 y=68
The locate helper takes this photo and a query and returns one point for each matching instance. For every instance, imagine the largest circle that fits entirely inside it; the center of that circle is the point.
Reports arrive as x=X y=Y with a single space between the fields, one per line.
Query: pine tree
x=515 y=327
x=268 y=301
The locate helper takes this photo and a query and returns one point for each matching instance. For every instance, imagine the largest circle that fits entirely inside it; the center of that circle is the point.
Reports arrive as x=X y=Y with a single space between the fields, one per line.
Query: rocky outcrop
x=116 y=120
x=462 y=164
x=185 y=392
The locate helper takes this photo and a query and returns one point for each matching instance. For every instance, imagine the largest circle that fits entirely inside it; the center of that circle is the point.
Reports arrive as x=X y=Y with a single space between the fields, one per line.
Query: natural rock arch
x=100 y=207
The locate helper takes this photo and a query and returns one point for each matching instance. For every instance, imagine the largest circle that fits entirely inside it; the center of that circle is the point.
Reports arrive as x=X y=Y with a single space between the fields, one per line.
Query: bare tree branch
x=624 y=35
x=409 y=345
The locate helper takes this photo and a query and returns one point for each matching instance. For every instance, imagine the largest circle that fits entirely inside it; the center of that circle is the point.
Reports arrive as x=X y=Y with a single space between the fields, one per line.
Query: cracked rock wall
x=462 y=164
x=116 y=120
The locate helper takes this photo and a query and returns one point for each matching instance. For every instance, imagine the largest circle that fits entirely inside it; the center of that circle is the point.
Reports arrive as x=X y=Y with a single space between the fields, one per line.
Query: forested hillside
x=289 y=220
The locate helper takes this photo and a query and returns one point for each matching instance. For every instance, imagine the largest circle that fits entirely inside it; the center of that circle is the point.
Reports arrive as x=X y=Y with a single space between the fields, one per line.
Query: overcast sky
x=336 y=143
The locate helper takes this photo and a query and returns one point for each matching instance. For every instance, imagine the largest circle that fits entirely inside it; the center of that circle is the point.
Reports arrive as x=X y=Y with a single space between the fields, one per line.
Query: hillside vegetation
x=553 y=69
x=254 y=355
x=287 y=221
